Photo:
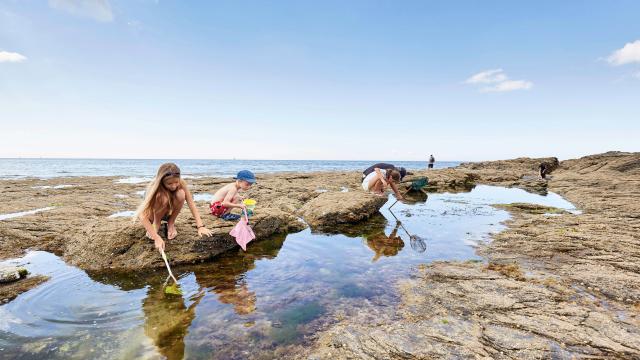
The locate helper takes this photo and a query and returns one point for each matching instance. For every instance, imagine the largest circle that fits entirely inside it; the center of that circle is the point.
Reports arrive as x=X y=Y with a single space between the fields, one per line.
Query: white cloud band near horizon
x=629 y=53
x=498 y=81
x=12 y=57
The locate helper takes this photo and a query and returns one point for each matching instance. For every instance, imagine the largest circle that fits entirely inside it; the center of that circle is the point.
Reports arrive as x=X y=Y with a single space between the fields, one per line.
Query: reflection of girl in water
x=384 y=245
x=167 y=320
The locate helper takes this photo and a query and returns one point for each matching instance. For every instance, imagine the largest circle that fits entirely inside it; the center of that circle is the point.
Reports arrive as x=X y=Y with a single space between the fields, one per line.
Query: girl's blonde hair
x=156 y=190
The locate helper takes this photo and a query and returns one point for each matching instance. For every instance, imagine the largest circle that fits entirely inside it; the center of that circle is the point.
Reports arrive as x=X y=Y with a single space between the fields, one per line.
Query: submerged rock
x=467 y=310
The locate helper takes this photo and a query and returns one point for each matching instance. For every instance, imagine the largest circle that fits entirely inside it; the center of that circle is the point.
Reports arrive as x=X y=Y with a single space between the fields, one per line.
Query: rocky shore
x=564 y=286
x=78 y=222
x=550 y=286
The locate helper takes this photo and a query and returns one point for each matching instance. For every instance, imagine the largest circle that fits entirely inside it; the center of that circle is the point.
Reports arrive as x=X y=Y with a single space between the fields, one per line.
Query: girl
x=377 y=182
x=163 y=200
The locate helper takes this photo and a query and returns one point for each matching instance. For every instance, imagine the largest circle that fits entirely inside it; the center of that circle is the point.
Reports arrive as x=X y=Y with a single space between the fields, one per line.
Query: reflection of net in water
x=418 y=244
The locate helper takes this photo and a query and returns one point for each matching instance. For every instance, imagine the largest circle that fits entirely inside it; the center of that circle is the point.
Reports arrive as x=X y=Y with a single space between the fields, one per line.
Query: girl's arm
x=153 y=233
x=395 y=190
x=202 y=230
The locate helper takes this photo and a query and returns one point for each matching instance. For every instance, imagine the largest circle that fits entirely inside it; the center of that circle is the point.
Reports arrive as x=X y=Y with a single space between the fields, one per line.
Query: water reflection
x=168 y=317
x=383 y=245
x=415 y=197
x=418 y=243
x=225 y=277
x=167 y=320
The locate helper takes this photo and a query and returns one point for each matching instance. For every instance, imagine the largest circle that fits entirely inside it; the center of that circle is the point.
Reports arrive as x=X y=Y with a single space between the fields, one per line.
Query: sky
x=339 y=80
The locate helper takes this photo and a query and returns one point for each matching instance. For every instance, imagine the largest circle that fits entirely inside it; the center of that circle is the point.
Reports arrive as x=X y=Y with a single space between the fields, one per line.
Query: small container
x=251 y=205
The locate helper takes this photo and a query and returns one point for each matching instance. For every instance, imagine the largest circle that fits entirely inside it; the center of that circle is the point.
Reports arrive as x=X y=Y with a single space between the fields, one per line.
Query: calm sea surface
x=48 y=168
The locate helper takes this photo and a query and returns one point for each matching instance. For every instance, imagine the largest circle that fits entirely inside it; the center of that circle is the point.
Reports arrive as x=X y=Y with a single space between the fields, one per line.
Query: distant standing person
x=543 y=171
x=432 y=161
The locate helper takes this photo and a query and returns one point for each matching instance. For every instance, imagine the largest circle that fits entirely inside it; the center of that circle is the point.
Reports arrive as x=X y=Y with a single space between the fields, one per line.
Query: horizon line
x=209 y=159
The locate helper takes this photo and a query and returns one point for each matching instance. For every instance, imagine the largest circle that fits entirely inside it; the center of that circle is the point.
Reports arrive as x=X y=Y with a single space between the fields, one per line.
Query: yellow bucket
x=250 y=204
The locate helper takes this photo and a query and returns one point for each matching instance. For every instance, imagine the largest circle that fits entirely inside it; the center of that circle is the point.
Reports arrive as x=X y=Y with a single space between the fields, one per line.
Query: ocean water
x=51 y=168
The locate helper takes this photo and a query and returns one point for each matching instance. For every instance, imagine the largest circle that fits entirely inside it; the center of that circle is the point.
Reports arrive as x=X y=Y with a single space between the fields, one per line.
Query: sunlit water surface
x=255 y=304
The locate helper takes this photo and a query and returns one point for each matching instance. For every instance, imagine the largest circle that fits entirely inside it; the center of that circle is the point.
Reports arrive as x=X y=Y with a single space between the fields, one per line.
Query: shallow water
x=24 y=213
x=204 y=197
x=125 y=213
x=273 y=297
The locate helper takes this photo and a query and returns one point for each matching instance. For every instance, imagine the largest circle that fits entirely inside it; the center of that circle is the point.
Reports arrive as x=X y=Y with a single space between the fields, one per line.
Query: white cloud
x=509 y=85
x=630 y=53
x=487 y=77
x=499 y=81
x=99 y=10
x=6 y=56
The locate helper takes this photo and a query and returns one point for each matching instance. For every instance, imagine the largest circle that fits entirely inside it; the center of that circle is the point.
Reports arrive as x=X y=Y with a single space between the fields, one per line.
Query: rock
x=334 y=208
x=122 y=245
x=521 y=172
x=441 y=180
x=9 y=291
x=12 y=273
x=525 y=303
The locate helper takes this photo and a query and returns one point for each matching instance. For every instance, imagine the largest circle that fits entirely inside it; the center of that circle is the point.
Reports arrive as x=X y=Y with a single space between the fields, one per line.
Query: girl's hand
x=159 y=242
x=202 y=231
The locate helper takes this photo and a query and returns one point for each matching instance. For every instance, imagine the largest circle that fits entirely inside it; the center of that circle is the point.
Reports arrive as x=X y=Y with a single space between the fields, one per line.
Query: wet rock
x=120 y=244
x=9 y=291
x=441 y=180
x=11 y=273
x=332 y=208
x=463 y=310
x=521 y=172
x=531 y=208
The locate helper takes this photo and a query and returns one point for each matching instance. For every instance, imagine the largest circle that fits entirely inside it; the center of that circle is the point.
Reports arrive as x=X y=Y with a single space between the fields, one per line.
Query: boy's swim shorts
x=217 y=209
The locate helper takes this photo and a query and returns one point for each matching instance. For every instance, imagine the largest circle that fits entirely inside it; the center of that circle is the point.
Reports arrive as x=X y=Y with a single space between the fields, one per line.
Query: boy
x=227 y=197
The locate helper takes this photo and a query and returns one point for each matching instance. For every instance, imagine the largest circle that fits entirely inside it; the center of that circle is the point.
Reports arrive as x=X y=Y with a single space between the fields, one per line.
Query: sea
x=50 y=168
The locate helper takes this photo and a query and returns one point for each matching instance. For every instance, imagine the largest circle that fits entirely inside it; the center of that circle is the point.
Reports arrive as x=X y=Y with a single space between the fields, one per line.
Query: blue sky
x=366 y=80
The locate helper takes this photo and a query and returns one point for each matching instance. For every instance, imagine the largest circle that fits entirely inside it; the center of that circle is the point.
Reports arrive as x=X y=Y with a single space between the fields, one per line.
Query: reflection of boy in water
x=384 y=245
x=243 y=300
x=225 y=278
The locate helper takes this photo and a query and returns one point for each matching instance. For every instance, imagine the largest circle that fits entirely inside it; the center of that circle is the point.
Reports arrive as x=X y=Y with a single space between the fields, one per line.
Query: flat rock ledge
x=334 y=208
x=122 y=244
